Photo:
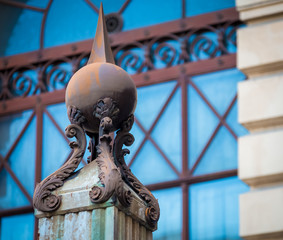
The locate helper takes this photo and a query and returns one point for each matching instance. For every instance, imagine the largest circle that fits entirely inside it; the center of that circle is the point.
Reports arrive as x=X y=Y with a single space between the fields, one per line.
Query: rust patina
x=100 y=98
x=99 y=79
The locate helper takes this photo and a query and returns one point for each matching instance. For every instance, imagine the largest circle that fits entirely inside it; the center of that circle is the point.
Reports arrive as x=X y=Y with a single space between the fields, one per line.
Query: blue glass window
x=213 y=209
x=194 y=7
x=163 y=147
x=17 y=227
x=17 y=148
x=209 y=98
x=170 y=222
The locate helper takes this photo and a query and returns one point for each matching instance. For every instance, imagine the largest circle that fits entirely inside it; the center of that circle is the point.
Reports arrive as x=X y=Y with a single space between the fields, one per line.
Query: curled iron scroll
x=44 y=200
x=125 y=138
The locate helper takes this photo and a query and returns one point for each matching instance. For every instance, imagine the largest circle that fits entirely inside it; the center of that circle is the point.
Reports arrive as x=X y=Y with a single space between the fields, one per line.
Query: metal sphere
x=97 y=81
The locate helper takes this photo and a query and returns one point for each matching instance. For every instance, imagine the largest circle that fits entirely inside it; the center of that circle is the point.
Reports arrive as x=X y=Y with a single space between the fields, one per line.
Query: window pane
x=17 y=227
x=221 y=155
x=214 y=209
x=10 y=127
x=194 y=7
x=217 y=89
x=144 y=13
x=168 y=131
x=24 y=30
x=10 y=194
x=170 y=222
x=201 y=124
x=151 y=100
x=151 y=167
x=55 y=148
x=76 y=18
x=21 y=159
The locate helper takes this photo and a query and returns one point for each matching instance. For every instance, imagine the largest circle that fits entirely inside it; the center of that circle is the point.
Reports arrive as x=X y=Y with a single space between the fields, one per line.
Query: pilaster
x=260 y=153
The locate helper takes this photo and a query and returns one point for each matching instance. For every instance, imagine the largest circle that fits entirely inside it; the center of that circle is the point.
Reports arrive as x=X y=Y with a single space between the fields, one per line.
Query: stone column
x=260 y=57
x=78 y=218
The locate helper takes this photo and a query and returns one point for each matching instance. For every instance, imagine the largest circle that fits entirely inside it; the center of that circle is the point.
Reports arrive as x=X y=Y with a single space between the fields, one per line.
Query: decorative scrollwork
x=134 y=57
x=125 y=138
x=165 y=49
x=109 y=175
x=106 y=107
x=75 y=115
x=204 y=43
x=139 y=56
x=43 y=199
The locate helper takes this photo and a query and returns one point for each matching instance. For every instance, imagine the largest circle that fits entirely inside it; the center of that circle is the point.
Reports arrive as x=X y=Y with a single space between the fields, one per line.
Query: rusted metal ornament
x=98 y=80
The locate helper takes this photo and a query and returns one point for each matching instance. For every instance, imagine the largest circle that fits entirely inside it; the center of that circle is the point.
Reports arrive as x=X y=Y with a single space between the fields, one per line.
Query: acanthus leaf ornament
x=109 y=174
x=43 y=198
x=101 y=99
x=125 y=138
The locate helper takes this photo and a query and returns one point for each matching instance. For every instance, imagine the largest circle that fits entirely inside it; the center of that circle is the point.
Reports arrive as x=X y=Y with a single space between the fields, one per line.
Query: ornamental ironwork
x=101 y=98
x=141 y=55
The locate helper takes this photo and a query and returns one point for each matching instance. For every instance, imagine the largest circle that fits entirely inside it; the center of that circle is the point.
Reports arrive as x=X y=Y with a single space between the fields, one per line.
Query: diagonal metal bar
x=154 y=123
x=212 y=136
x=124 y=6
x=158 y=148
x=21 y=5
x=164 y=155
x=92 y=6
x=39 y=108
x=184 y=112
x=17 y=140
x=213 y=109
x=61 y=132
x=56 y=125
x=43 y=21
x=17 y=181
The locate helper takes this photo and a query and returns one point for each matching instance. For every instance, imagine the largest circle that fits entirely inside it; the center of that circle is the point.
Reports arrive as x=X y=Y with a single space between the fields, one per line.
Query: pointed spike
x=101 y=50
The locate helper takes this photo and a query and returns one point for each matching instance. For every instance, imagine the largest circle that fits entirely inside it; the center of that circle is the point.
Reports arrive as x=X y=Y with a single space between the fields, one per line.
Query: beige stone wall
x=260 y=153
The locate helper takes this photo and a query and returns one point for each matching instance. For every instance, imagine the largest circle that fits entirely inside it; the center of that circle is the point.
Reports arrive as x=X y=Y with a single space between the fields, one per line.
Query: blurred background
x=181 y=55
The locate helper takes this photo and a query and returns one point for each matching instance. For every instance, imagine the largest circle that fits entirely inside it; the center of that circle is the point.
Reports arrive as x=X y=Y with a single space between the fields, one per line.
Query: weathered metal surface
x=51 y=228
x=43 y=199
x=109 y=224
x=123 y=137
x=91 y=86
x=75 y=198
x=100 y=102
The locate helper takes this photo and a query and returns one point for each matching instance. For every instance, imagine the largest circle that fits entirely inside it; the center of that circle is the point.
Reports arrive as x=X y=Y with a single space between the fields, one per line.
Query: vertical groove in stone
x=84 y=225
x=108 y=224
x=70 y=226
x=128 y=228
x=57 y=227
x=44 y=228
x=142 y=233
x=98 y=224
x=121 y=226
x=136 y=230
x=111 y=224
x=148 y=235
